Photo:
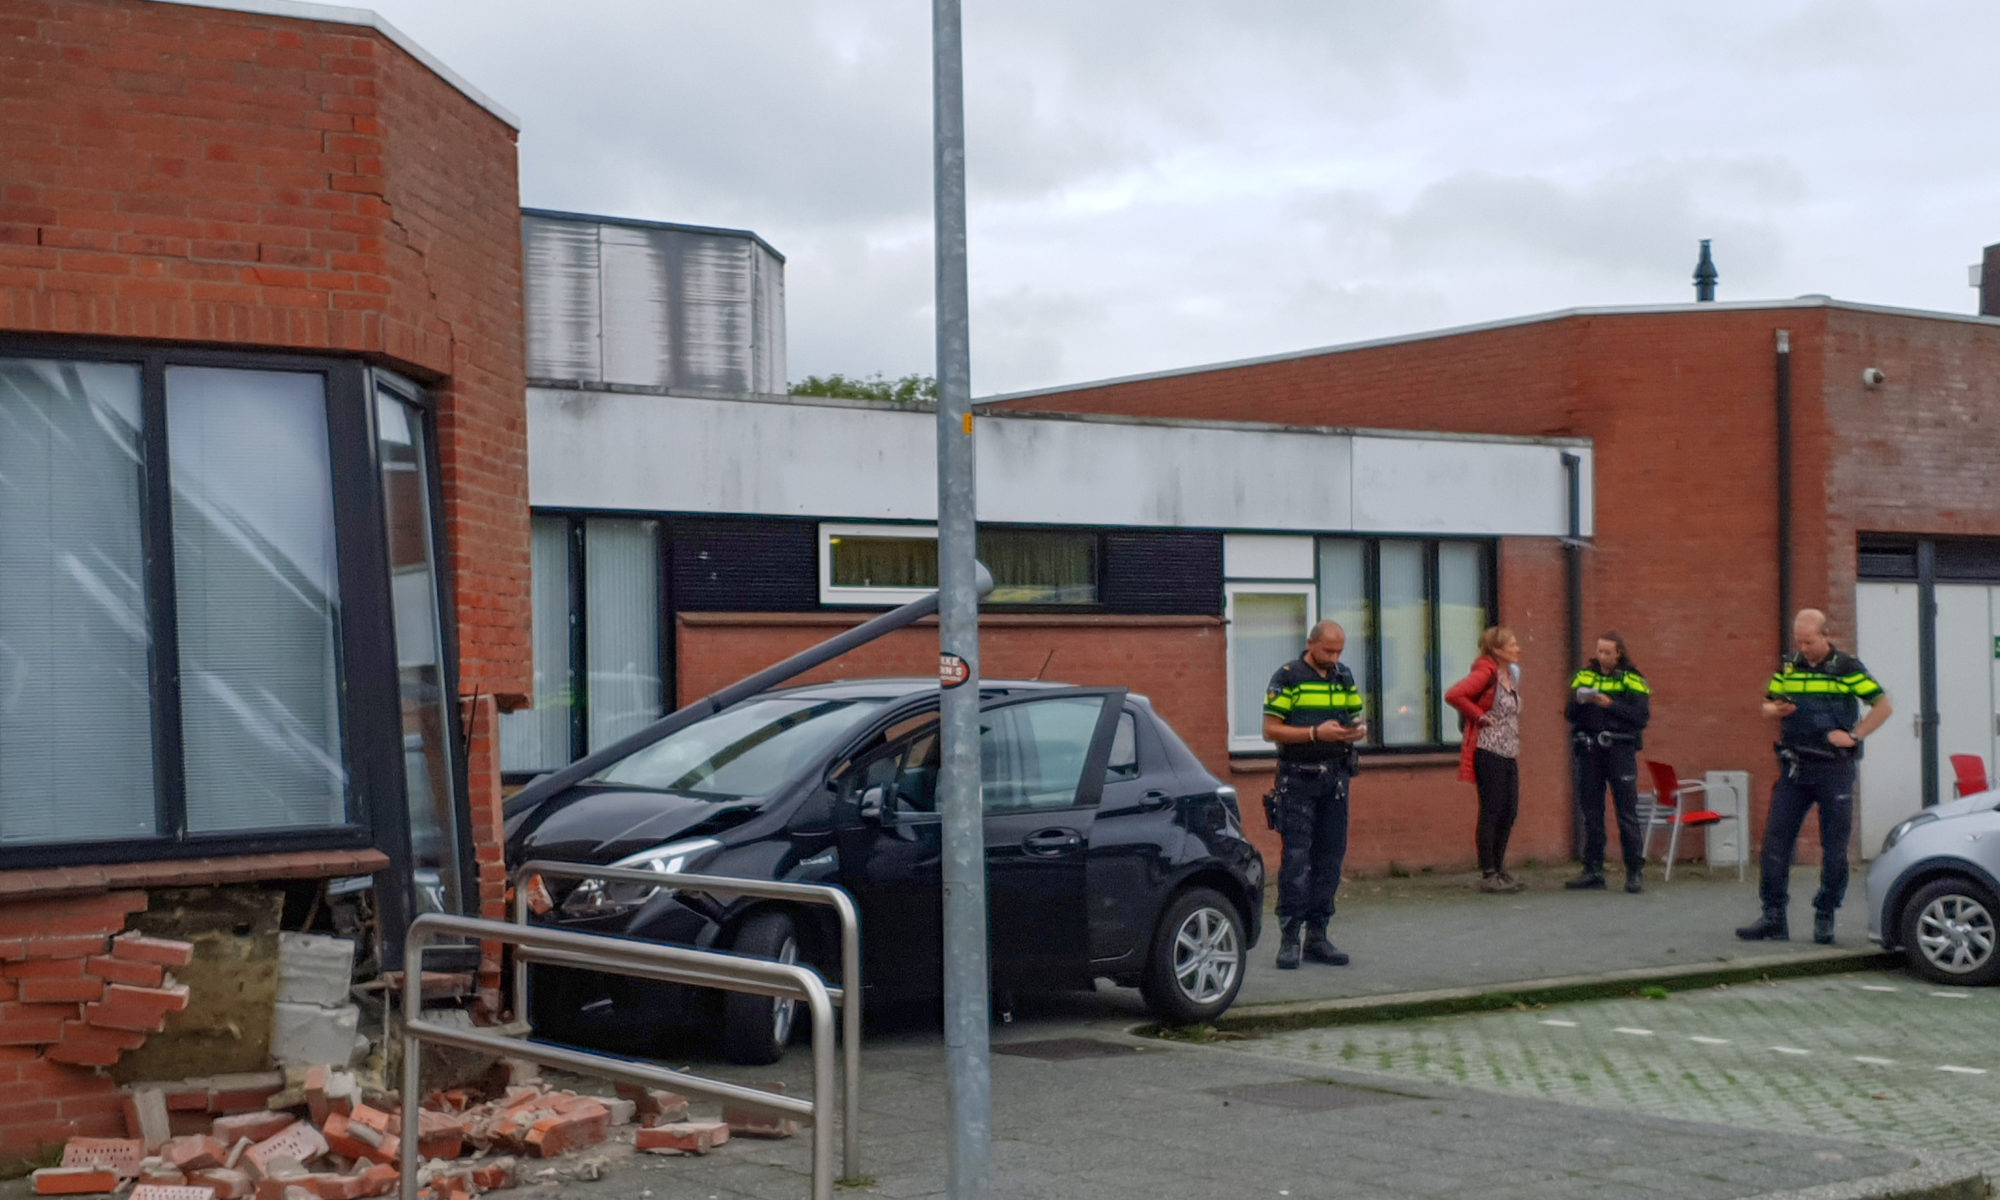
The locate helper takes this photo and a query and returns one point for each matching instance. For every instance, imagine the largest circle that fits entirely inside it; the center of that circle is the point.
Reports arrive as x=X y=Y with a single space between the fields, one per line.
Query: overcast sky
x=1157 y=185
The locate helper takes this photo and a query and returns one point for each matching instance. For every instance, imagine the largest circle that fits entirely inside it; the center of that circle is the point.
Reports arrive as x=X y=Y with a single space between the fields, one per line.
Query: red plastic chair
x=1667 y=805
x=1971 y=772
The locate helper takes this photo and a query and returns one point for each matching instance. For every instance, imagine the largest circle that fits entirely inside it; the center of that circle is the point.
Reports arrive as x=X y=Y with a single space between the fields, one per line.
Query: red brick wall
x=215 y=177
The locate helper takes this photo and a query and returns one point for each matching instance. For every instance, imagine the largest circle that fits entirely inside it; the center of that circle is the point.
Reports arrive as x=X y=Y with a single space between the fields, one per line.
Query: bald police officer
x=1312 y=712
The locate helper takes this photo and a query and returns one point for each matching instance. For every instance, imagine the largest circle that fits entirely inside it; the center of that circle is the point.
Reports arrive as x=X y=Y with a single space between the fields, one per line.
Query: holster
x=1274 y=801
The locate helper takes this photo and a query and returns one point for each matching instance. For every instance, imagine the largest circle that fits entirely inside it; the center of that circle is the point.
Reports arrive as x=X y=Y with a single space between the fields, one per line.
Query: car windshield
x=749 y=750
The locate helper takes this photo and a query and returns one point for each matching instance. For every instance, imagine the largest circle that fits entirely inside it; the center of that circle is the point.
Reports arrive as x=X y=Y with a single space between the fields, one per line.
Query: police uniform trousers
x=1828 y=783
x=1312 y=820
x=1616 y=766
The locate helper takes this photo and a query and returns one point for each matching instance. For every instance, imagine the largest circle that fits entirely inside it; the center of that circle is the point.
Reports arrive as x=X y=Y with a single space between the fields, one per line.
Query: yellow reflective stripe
x=1584 y=678
x=1634 y=682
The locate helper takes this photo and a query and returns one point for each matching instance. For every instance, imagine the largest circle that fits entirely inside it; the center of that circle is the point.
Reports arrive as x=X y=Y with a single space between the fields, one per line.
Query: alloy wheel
x=1206 y=956
x=1955 y=933
x=783 y=1011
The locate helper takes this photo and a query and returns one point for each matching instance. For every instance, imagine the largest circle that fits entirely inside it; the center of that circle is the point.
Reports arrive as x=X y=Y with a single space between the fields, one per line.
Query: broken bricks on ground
x=313 y=1130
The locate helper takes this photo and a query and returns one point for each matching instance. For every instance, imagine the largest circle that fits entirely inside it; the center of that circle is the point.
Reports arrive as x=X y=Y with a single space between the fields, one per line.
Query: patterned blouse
x=1502 y=735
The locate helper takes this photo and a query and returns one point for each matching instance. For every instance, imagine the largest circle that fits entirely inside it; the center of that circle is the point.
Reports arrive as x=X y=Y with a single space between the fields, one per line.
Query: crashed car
x=1111 y=853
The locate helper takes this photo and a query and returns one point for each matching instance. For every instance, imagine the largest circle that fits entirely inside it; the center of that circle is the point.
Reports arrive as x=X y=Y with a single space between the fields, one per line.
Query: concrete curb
x=1935 y=1177
x=1354 y=1010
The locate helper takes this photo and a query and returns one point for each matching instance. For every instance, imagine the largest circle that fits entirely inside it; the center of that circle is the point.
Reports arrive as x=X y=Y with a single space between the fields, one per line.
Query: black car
x=1111 y=853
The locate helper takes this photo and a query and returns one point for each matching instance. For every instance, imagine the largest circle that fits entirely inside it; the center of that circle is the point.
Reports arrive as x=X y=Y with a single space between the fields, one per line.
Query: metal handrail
x=847 y=995
x=703 y=968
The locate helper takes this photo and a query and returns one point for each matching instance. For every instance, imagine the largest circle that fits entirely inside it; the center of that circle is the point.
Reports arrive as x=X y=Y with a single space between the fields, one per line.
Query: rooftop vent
x=1704 y=277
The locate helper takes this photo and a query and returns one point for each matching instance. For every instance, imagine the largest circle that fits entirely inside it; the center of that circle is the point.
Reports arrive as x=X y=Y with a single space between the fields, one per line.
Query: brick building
x=263 y=524
x=1893 y=506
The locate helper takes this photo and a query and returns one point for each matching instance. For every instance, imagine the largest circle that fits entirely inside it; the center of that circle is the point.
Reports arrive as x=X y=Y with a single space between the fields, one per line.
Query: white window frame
x=1255 y=743
x=830 y=594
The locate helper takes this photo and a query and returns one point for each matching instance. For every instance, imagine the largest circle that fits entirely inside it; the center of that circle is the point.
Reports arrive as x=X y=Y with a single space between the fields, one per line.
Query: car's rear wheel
x=1949 y=932
x=756 y=1029
x=1196 y=965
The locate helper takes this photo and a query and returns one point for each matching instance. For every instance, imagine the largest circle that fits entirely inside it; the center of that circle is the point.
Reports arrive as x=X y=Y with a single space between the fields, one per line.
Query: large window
x=211 y=572
x=893 y=564
x=1413 y=609
x=596 y=637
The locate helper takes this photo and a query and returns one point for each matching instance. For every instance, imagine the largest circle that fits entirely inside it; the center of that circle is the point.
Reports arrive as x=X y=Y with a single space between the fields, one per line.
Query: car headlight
x=1902 y=830
x=607 y=898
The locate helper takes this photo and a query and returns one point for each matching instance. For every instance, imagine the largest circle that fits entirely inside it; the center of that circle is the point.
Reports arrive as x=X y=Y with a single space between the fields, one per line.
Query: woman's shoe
x=1513 y=884
x=1495 y=884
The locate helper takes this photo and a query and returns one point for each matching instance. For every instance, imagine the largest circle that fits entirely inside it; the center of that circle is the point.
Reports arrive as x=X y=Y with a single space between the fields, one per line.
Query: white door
x=1885 y=639
x=1965 y=678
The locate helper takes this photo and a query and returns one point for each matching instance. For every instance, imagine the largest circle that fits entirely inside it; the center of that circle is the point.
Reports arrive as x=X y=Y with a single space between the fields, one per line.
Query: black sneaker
x=1770 y=927
x=1635 y=880
x=1589 y=881
x=1823 y=928
x=1319 y=950
x=1288 y=950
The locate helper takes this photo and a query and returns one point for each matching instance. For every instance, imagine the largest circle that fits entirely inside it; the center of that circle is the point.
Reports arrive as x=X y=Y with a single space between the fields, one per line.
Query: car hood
x=602 y=825
x=1965 y=806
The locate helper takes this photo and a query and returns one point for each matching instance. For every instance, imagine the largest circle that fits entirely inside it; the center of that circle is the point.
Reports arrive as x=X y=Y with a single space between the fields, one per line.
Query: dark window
x=891 y=564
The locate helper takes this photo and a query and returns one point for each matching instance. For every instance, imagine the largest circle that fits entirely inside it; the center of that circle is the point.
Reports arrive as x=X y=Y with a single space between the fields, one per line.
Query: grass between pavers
x=1278 y=1018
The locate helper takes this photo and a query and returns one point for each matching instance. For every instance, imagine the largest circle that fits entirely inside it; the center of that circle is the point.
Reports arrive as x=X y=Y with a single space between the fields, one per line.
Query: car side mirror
x=874 y=803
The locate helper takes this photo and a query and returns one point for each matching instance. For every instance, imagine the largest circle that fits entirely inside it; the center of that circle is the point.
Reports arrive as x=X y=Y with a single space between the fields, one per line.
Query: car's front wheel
x=1196 y=965
x=756 y=1029
x=1949 y=932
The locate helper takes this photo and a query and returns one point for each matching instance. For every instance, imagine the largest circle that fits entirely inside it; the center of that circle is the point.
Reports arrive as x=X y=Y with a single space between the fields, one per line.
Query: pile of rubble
x=319 y=1134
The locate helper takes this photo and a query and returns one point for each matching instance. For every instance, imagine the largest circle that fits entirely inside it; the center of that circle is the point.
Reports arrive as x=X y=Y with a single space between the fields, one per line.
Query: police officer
x=1609 y=705
x=1816 y=696
x=1312 y=712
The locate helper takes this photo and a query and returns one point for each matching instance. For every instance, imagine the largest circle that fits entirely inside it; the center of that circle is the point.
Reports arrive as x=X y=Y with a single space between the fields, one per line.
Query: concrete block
x=314 y=969
x=309 y=1033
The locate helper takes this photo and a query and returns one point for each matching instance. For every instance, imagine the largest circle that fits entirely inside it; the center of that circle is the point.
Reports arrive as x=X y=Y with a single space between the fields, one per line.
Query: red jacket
x=1473 y=696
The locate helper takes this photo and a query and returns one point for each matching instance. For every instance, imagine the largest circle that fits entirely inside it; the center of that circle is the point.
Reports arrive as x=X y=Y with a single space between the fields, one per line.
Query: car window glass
x=1124 y=763
x=750 y=749
x=1031 y=755
x=907 y=773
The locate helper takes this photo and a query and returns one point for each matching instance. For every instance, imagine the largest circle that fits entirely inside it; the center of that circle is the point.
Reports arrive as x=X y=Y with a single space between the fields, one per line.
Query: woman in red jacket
x=1489 y=702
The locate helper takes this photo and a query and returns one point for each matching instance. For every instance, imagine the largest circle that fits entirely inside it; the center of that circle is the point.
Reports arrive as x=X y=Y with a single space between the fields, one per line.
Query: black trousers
x=1615 y=766
x=1499 y=781
x=1312 y=820
x=1829 y=784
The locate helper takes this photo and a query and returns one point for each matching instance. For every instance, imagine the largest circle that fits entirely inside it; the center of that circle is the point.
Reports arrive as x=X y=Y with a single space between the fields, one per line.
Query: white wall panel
x=1267 y=556
x=1455 y=485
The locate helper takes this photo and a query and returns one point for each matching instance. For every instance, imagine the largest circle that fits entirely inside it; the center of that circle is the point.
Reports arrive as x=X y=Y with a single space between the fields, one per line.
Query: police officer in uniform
x=1816 y=696
x=1312 y=712
x=1609 y=705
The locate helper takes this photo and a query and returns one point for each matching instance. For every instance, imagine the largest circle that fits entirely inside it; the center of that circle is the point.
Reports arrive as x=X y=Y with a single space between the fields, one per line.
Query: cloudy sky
x=1164 y=184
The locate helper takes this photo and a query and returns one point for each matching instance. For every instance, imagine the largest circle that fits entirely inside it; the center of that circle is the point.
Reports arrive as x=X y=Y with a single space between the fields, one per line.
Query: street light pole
x=969 y=1106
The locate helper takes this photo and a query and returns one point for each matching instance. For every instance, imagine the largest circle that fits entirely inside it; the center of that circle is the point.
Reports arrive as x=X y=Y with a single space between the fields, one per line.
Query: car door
x=1041 y=769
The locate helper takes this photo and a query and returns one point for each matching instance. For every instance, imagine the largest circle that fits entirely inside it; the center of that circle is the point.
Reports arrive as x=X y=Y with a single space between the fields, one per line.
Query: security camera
x=1872 y=377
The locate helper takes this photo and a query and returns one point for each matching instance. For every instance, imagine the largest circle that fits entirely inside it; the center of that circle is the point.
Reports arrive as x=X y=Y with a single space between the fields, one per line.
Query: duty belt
x=1792 y=756
x=1605 y=738
x=1308 y=770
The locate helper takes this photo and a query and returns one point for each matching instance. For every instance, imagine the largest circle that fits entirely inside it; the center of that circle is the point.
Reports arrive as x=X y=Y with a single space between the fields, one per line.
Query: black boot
x=1288 y=947
x=1320 y=950
x=1771 y=927
x=1635 y=880
x=1592 y=880
x=1823 y=928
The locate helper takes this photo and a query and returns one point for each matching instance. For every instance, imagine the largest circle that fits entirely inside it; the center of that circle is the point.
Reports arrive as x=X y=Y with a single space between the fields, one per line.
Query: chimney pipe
x=1705 y=276
x=1989 y=283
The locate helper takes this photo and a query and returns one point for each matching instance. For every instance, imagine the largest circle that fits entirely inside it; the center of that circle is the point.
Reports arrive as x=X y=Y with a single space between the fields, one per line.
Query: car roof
x=900 y=687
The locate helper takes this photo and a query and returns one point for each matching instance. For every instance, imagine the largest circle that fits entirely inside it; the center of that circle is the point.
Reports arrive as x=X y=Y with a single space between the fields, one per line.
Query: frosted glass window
x=420 y=673
x=622 y=626
x=1461 y=616
x=1267 y=629
x=1405 y=625
x=537 y=739
x=1343 y=597
x=258 y=600
x=75 y=640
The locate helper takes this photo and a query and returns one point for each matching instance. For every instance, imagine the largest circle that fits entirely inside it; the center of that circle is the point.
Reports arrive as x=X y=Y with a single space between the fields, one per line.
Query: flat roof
x=553 y=214
x=336 y=14
x=1808 y=301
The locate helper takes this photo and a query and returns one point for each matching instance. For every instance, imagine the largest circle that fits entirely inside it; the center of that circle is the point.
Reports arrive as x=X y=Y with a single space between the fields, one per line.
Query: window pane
x=1124 y=760
x=622 y=630
x=75 y=700
x=870 y=561
x=1040 y=566
x=537 y=739
x=1266 y=631
x=1343 y=597
x=1031 y=755
x=427 y=767
x=1405 y=625
x=258 y=599
x=1462 y=616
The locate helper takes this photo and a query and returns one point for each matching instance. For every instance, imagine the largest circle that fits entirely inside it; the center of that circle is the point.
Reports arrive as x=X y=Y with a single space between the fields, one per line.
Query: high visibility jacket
x=1828 y=695
x=1299 y=695
x=1631 y=704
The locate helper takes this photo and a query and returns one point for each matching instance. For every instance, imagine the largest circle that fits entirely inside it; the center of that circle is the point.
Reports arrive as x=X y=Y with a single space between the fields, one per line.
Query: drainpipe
x=1573 y=589
x=1784 y=404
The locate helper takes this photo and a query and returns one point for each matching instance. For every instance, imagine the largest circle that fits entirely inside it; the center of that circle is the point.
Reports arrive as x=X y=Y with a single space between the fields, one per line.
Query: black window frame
x=1095 y=533
x=371 y=725
x=1438 y=738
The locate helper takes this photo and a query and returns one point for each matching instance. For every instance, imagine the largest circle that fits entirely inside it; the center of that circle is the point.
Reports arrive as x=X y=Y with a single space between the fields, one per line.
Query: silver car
x=1934 y=893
